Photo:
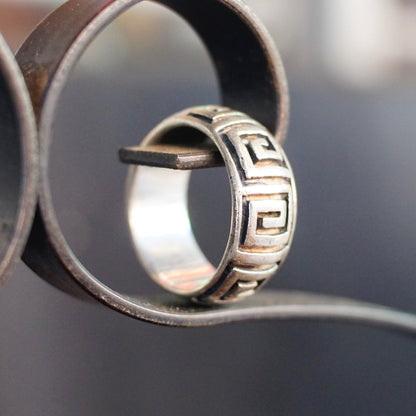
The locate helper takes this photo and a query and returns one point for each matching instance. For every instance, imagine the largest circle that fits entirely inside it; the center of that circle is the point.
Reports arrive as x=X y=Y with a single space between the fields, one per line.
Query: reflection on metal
x=18 y=162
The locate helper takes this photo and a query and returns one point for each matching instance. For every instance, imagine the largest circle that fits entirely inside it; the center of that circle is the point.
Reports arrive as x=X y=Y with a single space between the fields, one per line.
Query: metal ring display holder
x=252 y=80
x=18 y=162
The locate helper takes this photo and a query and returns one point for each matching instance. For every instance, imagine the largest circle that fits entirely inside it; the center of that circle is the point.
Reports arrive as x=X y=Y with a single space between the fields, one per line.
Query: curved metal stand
x=18 y=162
x=256 y=86
x=278 y=305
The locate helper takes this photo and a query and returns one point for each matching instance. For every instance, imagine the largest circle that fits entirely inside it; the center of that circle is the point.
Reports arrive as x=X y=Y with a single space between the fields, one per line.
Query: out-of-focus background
x=352 y=72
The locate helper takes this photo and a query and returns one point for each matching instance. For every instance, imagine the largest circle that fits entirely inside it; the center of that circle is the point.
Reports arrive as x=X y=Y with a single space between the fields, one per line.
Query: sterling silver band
x=264 y=208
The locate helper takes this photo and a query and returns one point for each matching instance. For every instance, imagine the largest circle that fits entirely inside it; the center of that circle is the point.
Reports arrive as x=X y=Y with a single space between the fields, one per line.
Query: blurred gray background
x=352 y=73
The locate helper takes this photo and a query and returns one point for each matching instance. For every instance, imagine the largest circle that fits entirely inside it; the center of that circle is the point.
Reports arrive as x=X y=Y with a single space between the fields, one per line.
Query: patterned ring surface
x=263 y=213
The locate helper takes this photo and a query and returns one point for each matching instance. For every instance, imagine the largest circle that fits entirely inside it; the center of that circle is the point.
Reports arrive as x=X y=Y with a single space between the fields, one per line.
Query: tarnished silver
x=18 y=162
x=264 y=204
x=251 y=80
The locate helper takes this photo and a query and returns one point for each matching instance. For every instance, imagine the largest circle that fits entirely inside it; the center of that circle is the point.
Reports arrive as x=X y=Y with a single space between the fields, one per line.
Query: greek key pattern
x=265 y=198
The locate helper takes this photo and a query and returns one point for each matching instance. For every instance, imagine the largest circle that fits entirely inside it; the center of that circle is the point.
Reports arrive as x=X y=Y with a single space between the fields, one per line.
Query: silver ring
x=264 y=205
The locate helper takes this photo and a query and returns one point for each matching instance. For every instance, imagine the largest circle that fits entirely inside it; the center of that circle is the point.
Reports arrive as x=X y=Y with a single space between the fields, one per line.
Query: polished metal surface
x=264 y=205
x=256 y=86
x=18 y=162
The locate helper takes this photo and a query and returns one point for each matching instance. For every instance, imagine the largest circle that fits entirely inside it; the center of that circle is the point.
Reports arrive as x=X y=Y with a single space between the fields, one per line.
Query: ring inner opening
x=143 y=67
x=160 y=222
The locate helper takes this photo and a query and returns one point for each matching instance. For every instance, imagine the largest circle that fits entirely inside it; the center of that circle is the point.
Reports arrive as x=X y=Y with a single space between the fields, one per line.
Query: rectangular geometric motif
x=267 y=222
x=256 y=152
x=244 y=282
x=261 y=150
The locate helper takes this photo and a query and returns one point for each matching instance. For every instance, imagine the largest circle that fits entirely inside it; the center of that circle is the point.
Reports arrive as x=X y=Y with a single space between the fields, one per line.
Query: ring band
x=264 y=205
x=251 y=79
x=18 y=162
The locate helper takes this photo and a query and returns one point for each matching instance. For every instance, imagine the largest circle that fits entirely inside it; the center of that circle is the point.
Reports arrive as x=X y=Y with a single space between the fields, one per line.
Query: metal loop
x=256 y=86
x=18 y=162
x=251 y=78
